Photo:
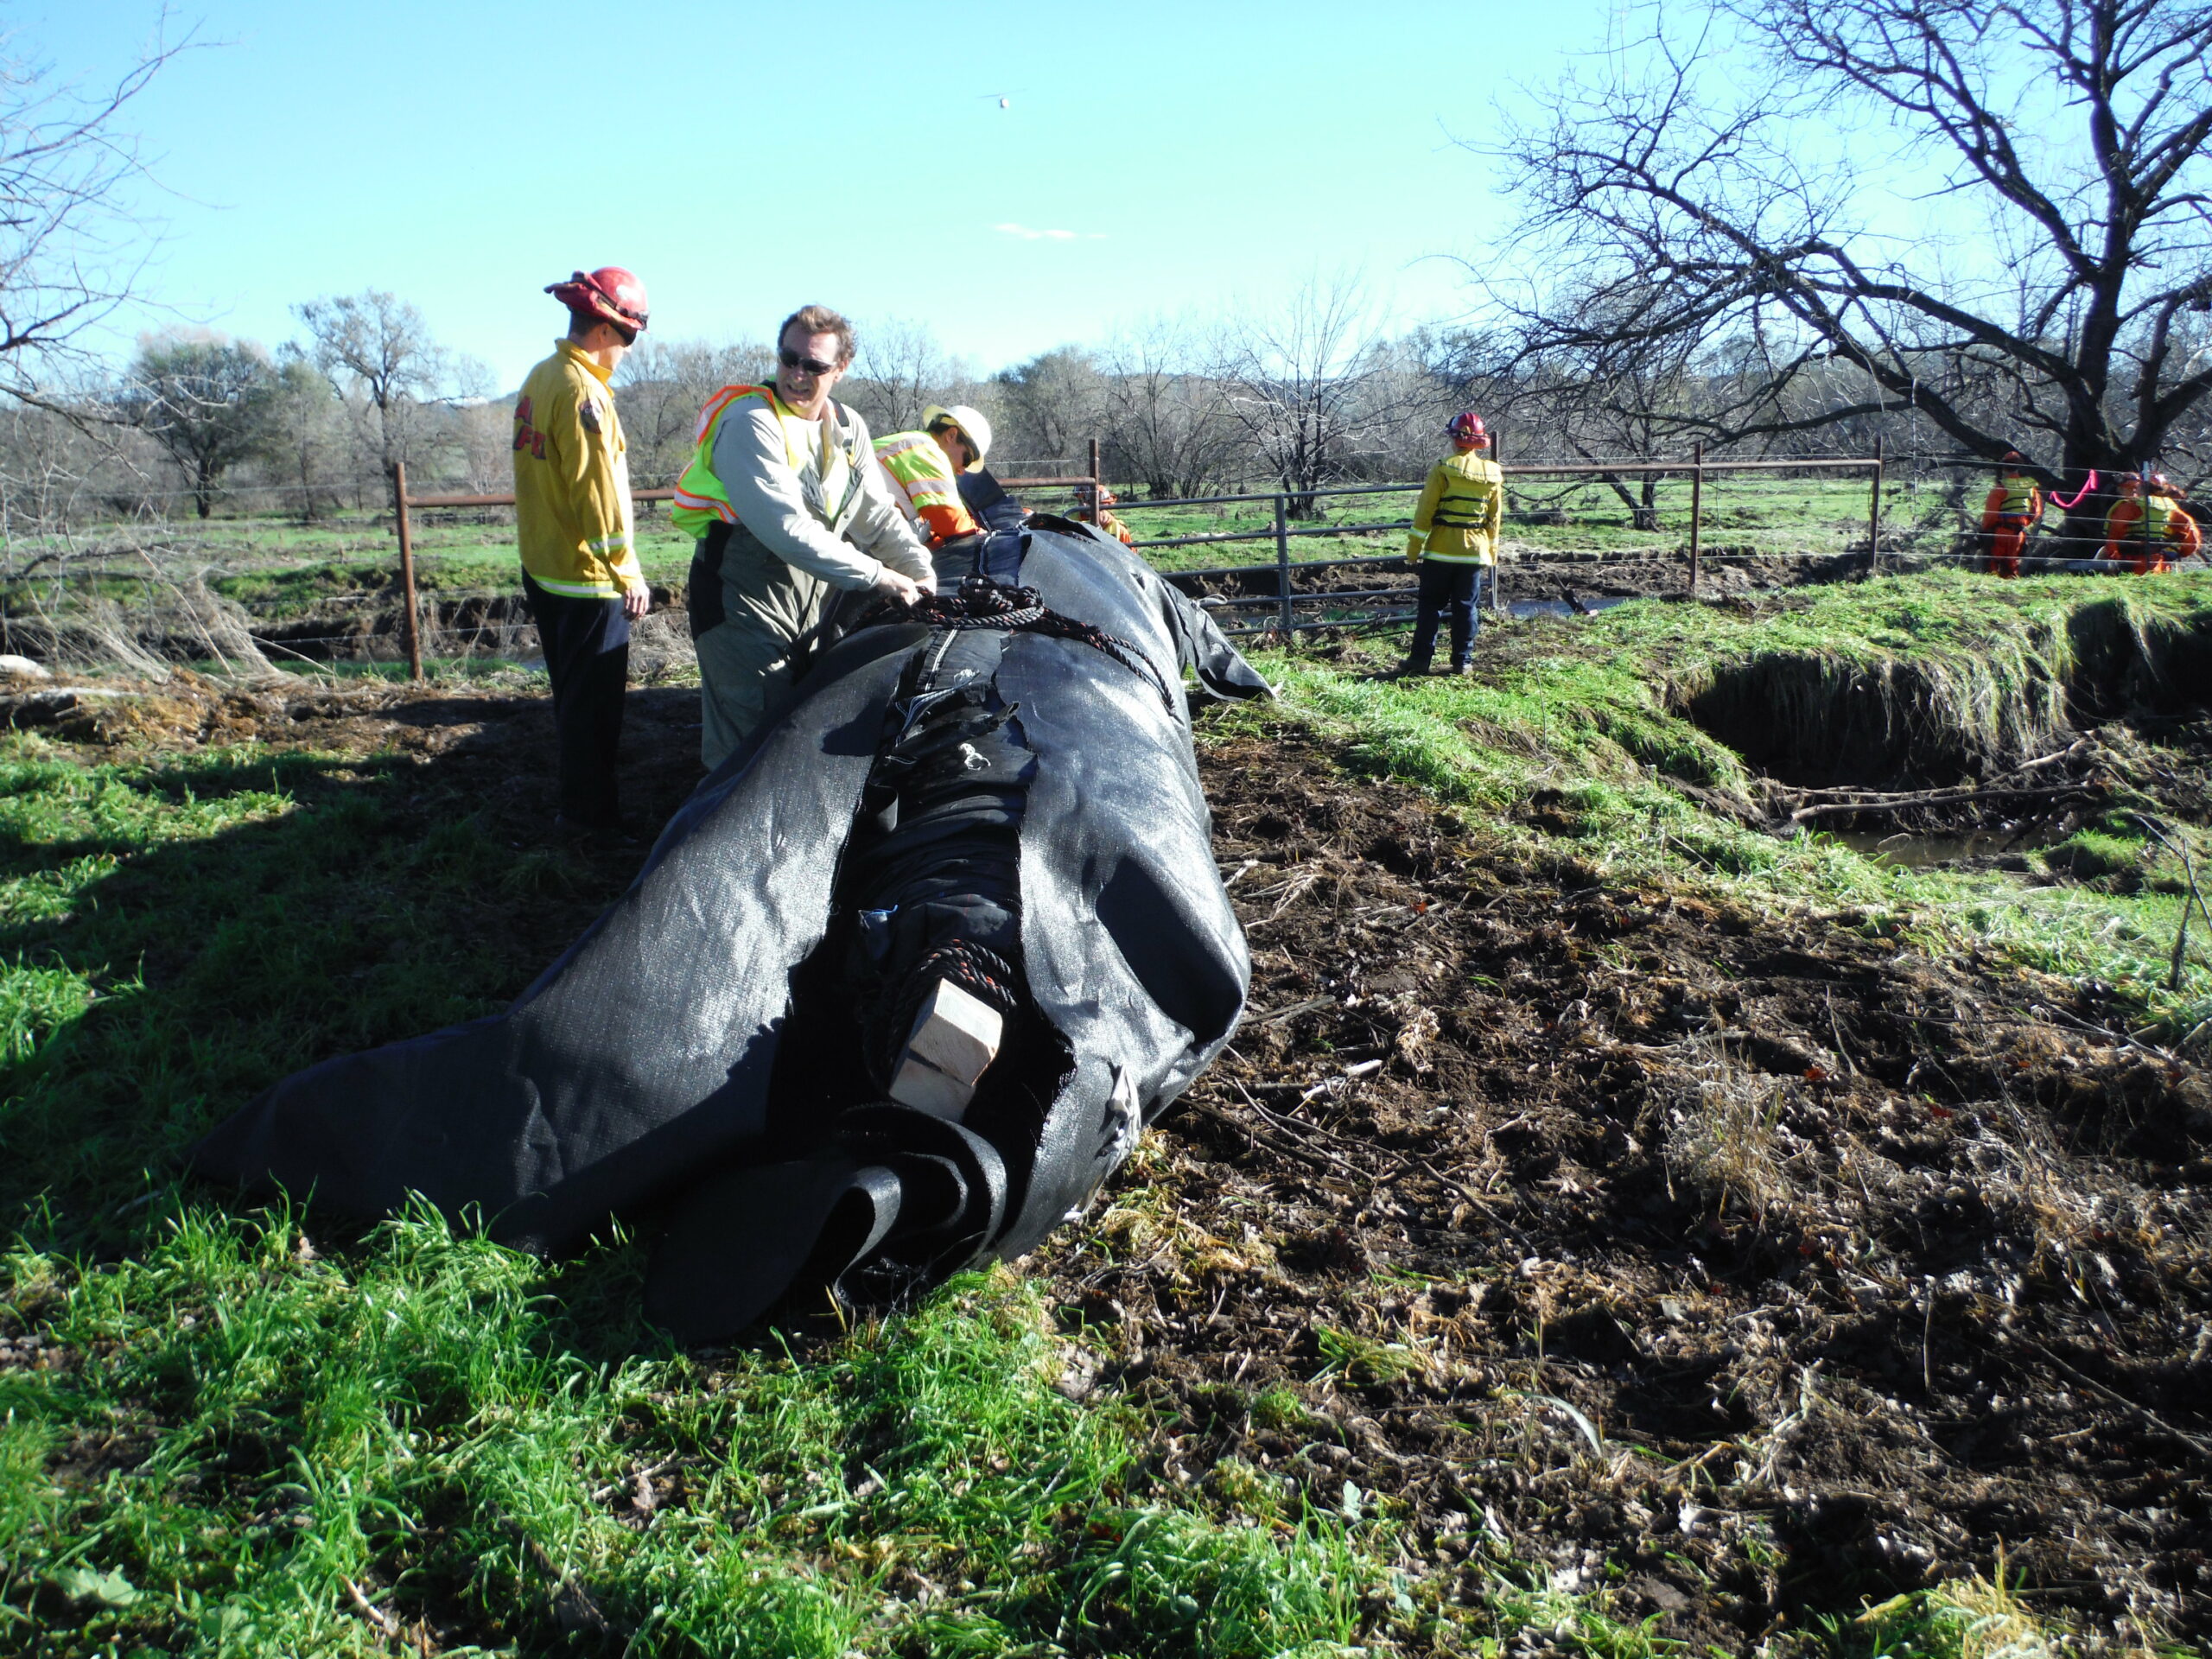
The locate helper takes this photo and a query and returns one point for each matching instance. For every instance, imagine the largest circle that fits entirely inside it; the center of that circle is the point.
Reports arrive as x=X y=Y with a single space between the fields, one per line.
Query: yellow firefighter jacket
x=924 y=473
x=1461 y=511
x=572 y=480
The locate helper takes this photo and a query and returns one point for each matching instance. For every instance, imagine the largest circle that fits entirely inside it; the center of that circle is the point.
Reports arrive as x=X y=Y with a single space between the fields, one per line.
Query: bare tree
x=1054 y=404
x=52 y=466
x=302 y=438
x=485 y=428
x=375 y=348
x=666 y=383
x=1299 y=382
x=73 y=245
x=1167 y=418
x=1692 y=195
x=899 y=369
x=205 y=400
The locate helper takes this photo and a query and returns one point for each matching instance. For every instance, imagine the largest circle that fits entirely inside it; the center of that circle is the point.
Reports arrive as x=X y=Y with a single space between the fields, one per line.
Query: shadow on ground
x=375 y=864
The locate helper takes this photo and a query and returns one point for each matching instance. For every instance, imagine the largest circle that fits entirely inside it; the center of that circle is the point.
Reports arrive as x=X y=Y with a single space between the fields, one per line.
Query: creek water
x=1524 y=608
x=1920 y=852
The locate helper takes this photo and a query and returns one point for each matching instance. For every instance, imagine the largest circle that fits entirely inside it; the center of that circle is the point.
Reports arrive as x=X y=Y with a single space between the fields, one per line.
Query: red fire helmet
x=610 y=293
x=1466 y=427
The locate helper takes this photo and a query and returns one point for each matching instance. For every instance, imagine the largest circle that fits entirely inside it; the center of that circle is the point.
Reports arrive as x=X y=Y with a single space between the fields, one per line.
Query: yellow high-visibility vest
x=919 y=465
x=701 y=501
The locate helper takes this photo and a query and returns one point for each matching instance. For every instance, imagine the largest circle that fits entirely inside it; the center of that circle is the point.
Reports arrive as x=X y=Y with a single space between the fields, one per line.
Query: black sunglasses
x=791 y=359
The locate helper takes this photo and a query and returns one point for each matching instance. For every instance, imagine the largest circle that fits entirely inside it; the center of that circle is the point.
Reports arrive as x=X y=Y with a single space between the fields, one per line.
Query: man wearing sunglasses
x=790 y=505
x=573 y=526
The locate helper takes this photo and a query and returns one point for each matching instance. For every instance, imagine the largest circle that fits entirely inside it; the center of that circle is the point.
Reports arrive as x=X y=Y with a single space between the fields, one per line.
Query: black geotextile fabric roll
x=706 y=1061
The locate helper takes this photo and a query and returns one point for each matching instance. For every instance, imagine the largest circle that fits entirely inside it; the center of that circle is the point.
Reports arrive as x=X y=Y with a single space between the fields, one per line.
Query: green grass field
x=219 y=1434
x=223 y=1435
x=278 y=567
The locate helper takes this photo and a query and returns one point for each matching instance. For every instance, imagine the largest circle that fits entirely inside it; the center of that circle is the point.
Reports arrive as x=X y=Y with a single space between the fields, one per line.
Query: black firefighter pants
x=587 y=657
x=1446 y=588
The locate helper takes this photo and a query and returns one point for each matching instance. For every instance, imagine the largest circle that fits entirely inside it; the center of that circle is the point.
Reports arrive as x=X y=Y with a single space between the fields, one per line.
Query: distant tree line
x=1317 y=391
x=1982 y=221
x=1769 y=227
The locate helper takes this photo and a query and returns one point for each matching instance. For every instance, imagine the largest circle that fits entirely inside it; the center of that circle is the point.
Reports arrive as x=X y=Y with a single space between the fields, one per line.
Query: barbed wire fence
x=135 y=586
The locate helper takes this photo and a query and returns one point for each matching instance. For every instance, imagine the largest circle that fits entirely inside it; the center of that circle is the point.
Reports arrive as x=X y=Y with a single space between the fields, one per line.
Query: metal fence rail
x=1358 y=607
x=1377 y=605
x=404 y=506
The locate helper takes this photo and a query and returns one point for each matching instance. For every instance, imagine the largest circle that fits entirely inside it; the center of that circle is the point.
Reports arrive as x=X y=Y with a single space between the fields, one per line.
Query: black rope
x=982 y=603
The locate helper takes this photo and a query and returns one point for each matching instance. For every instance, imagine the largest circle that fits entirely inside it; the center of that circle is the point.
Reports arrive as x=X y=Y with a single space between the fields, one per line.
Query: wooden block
x=921 y=1085
x=956 y=1033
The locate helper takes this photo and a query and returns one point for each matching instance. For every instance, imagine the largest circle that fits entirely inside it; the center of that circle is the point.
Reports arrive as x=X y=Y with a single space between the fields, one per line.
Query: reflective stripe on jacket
x=572 y=480
x=2014 y=497
x=1461 y=511
x=701 y=497
x=700 y=500
x=924 y=473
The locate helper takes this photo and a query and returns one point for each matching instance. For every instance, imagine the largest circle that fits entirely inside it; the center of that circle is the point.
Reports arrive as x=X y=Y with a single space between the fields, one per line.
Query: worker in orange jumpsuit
x=2011 y=511
x=1087 y=514
x=2141 y=529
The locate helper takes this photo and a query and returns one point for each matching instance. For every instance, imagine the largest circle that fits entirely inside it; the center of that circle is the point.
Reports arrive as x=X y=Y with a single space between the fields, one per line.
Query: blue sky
x=743 y=157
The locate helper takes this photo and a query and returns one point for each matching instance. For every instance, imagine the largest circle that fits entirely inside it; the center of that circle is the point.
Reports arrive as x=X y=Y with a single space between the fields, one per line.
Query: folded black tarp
x=988 y=787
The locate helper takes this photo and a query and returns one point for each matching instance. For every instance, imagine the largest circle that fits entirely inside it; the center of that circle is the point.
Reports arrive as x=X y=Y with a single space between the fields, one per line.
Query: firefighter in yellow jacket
x=1454 y=543
x=580 y=570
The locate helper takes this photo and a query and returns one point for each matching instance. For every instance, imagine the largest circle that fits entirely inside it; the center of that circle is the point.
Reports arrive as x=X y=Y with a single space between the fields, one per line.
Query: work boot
x=1413 y=668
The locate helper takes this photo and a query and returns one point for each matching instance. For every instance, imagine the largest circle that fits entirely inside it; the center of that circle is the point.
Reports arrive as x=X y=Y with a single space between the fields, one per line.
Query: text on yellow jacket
x=1461 y=511
x=572 y=480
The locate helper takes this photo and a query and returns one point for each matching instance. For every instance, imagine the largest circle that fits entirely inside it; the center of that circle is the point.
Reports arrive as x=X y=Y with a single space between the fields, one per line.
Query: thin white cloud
x=1029 y=235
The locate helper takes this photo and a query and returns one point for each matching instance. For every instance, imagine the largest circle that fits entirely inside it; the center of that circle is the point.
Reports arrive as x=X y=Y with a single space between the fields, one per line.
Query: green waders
x=753 y=619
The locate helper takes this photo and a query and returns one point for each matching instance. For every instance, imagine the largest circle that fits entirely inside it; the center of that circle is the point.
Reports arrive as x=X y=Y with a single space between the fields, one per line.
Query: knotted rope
x=982 y=603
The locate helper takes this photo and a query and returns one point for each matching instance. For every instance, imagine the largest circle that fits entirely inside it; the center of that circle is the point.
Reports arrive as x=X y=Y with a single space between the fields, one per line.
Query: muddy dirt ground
x=1820 y=1270
x=1766 y=1260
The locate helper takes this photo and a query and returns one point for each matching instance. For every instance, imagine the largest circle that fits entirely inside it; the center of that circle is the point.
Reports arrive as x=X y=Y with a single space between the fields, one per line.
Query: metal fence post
x=1697 y=504
x=1097 y=488
x=407 y=622
x=2143 y=475
x=1874 y=518
x=1282 y=570
x=1498 y=554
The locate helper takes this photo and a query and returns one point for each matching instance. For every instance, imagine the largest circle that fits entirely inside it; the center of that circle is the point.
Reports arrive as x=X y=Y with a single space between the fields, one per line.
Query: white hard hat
x=969 y=421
